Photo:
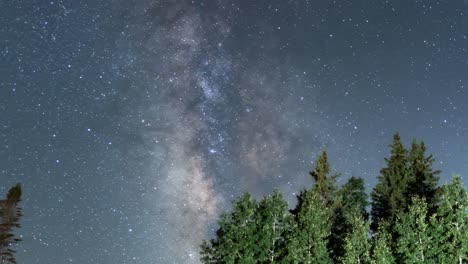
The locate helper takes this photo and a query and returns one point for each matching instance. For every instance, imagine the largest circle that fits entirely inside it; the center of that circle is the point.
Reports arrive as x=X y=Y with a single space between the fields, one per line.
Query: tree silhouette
x=10 y=215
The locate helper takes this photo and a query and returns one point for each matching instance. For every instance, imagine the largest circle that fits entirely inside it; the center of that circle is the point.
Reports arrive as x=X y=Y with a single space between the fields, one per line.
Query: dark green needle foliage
x=423 y=178
x=10 y=215
x=354 y=197
x=413 y=220
x=324 y=183
x=388 y=196
x=350 y=200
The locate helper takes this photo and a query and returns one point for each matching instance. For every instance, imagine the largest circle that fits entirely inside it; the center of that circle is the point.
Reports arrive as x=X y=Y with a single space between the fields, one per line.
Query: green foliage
x=414 y=243
x=388 y=196
x=350 y=200
x=324 y=183
x=10 y=215
x=423 y=178
x=235 y=240
x=413 y=220
x=252 y=233
x=353 y=197
x=382 y=252
x=450 y=224
x=356 y=246
x=272 y=220
x=307 y=241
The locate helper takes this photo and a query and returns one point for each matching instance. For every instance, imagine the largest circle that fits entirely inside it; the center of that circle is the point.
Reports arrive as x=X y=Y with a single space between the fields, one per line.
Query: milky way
x=133 y=124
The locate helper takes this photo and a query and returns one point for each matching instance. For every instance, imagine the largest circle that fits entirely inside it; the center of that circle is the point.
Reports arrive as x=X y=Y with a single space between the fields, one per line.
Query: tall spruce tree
x=450 y=224
x=307 y=240
x=236 y=238
x=326 y=189
x=388 y=196
x=423 y=178
x=414 y=242
x=10 y=215
x=324 y=183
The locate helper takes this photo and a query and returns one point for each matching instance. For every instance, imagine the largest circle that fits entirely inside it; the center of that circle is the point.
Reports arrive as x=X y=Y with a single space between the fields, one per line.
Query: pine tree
x=236 y=237
x=423 y=178
x=388 y=196
x=450 y=224
x=414 y=243
x=307 y=240
x=272 y=219
x=382 y=251
x=356 y=246
x=10 y=215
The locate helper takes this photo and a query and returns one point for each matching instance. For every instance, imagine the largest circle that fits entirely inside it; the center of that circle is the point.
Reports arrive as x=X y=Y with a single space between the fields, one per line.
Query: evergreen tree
x=324 y=183
x=450 y=224
x=236 y=237
x=272 y=219
x=382 y=251
x=388 y=196
x=330 y=225
x=307 y=240
x=10 y=215
x=356 y=246
x=354 y=197
x=414 y=243
x=423 y=179
x=340 y=228
x=351 y=199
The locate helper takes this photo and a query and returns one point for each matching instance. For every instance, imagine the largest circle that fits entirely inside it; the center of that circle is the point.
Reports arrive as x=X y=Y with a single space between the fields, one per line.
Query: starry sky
x=132 y=124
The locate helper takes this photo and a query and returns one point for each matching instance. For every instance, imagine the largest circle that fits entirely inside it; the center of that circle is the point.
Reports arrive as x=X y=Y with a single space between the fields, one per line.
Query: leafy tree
x=388 y=196
x=451 y=224
x=356 y=246
x=414 y=242
x=381 y=252
x=10 y=215
x=307 y=240
x=272 y=219
x=236 y=237
x=423 y=178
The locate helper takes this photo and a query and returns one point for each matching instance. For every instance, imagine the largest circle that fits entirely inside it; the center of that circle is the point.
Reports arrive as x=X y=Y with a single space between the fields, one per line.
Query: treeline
x=412 y=219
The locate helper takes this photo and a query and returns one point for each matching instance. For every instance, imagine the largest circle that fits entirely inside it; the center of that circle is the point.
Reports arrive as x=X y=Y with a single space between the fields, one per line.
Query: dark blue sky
x=133 y=124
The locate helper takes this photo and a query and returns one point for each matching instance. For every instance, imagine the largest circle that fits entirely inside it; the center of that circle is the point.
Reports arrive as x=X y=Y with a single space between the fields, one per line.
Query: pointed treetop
x=324 y=183
x=396 y=148
x=14 y=194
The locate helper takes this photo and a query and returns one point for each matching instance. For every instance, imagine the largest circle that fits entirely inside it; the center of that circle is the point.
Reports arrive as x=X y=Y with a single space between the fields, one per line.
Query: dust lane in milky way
x=133 y=124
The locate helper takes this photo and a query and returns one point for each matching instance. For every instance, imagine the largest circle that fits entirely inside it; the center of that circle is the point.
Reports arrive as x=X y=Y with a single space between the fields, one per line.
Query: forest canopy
x=411 y=219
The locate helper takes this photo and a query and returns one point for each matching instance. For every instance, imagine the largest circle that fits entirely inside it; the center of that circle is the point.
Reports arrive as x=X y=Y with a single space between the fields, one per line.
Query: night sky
x=132 y=124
